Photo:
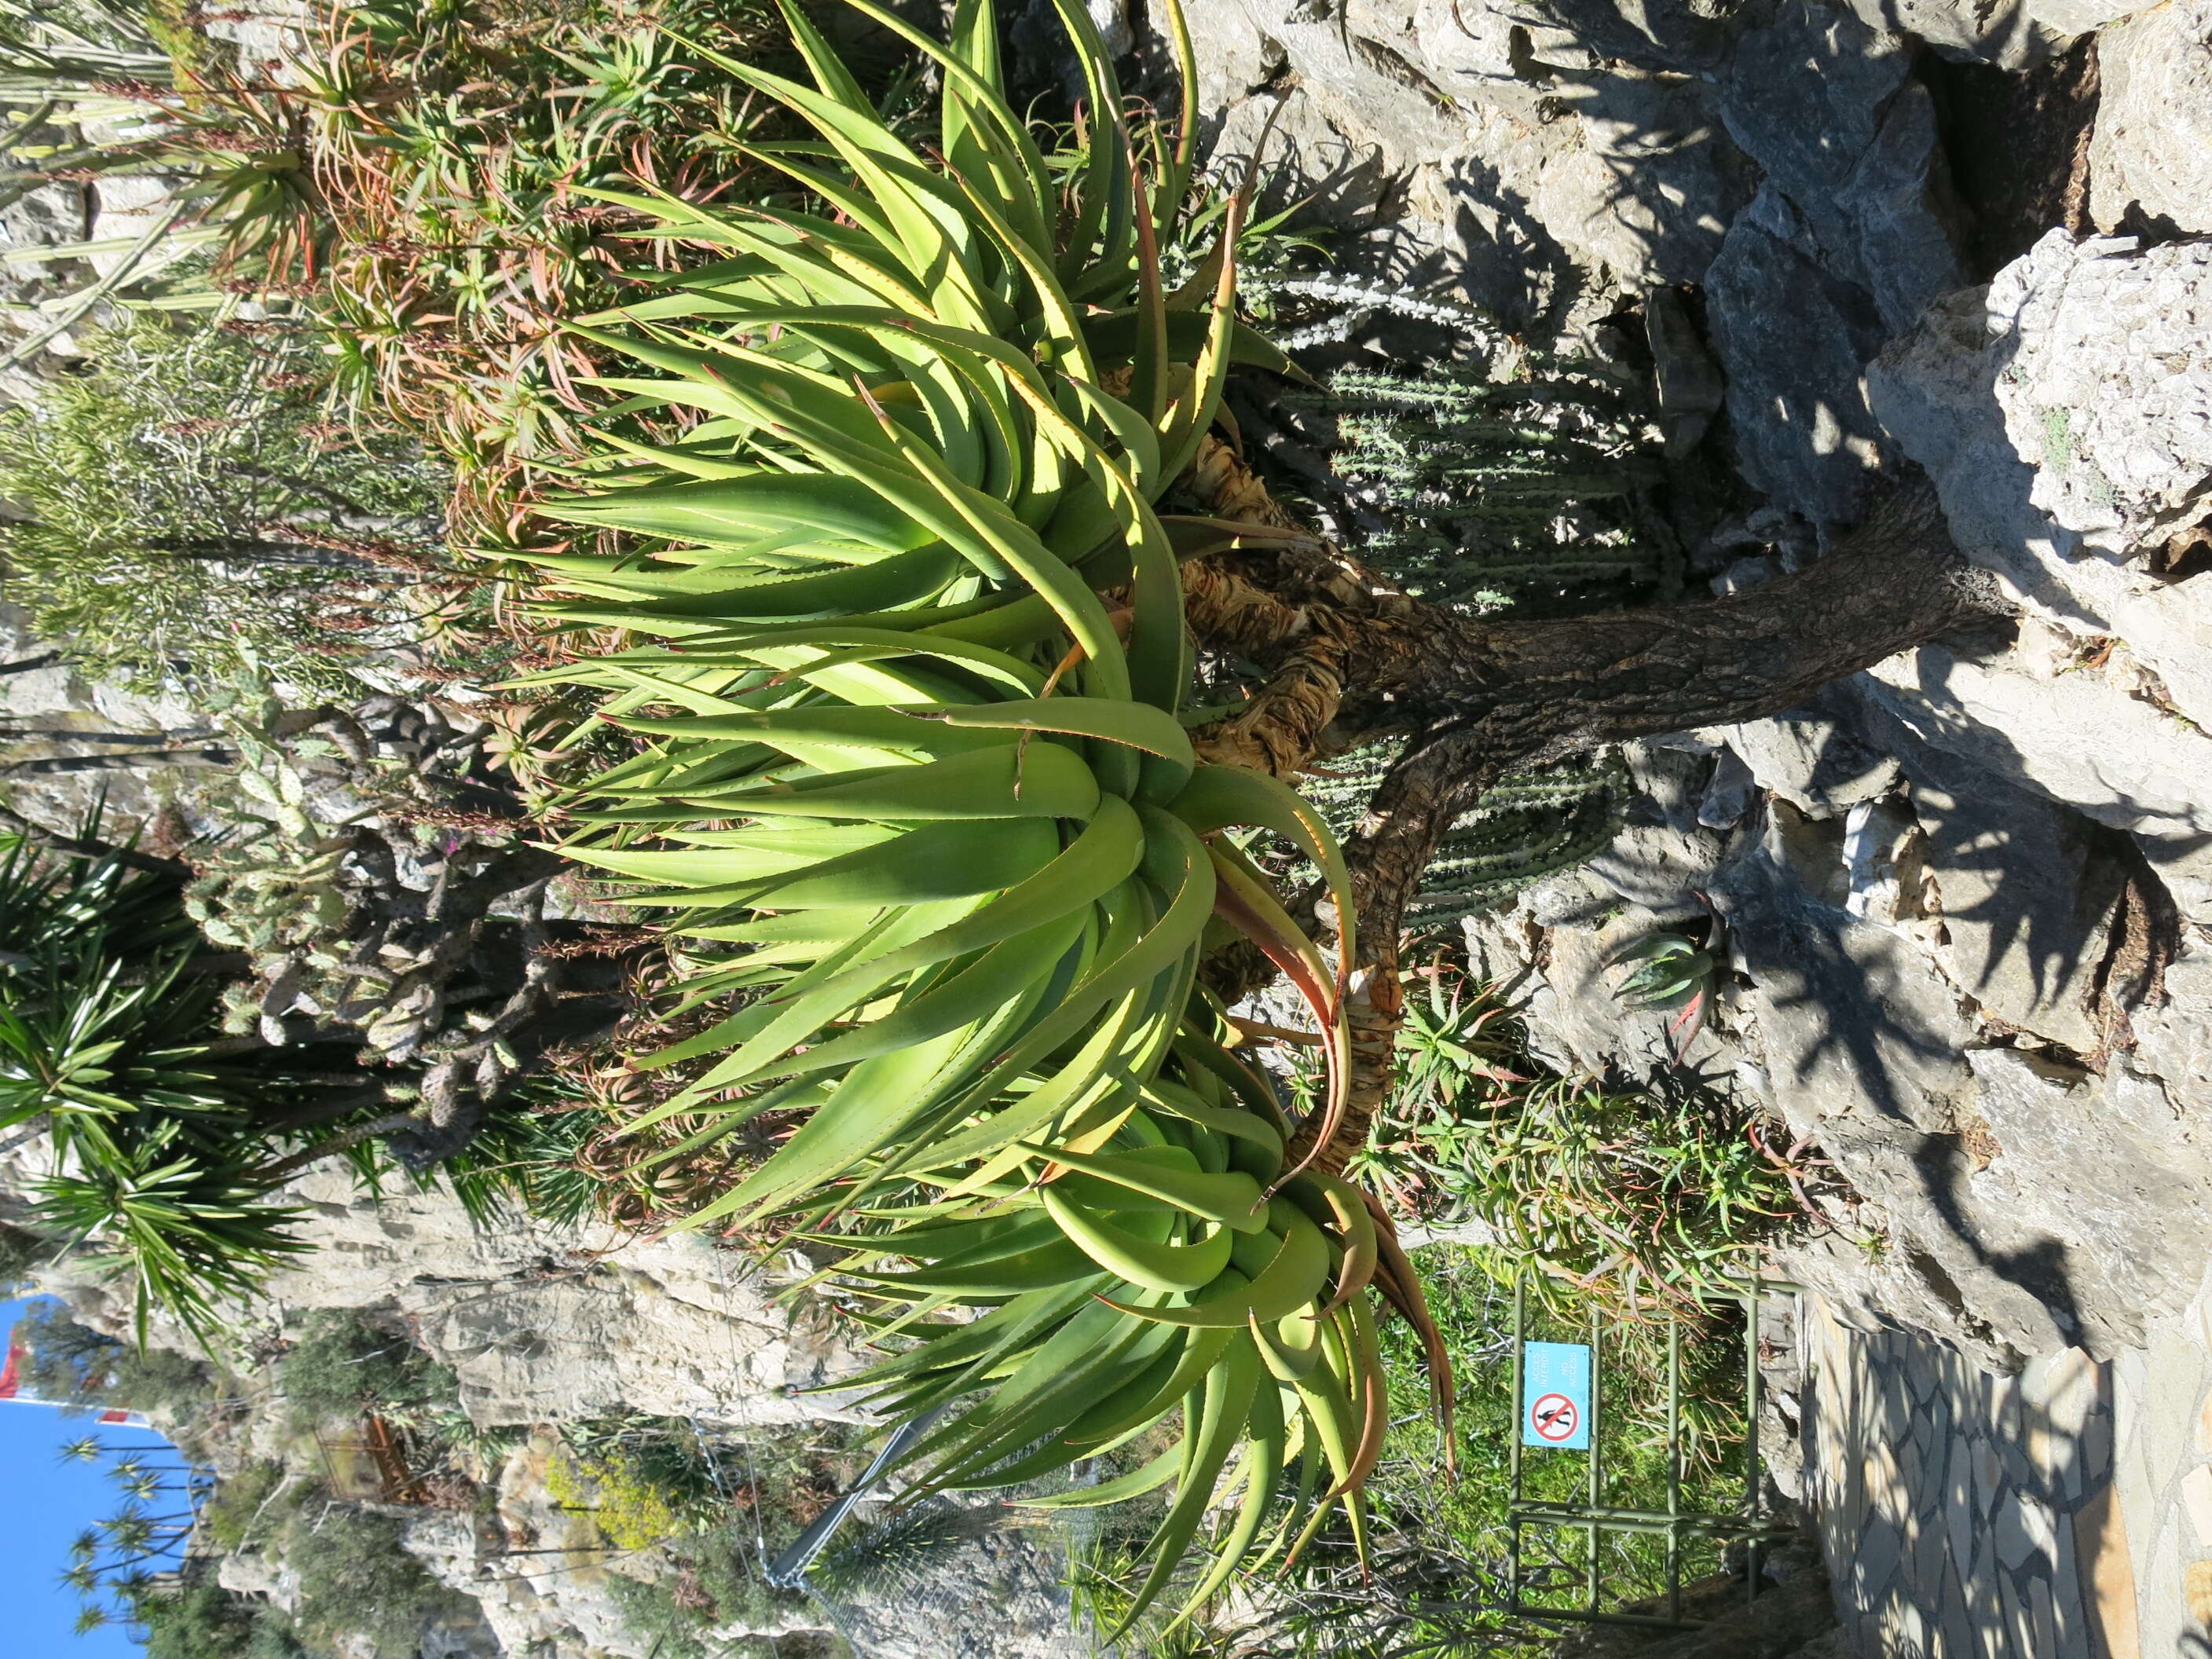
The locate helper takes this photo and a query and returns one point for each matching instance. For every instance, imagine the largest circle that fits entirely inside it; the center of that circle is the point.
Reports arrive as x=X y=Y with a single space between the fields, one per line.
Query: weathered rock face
x=544 y=1577
x=1782 y=154
x=2153 y=147
x=1517 y=146
x=1914 y=984
x=1968 y=896
x=2143 y=772
x=547 y=1324
x=1792 y=337
x=58 y=698
x=2013 y=36
x=1849 y=236
x=2064 y=417
x=2106 y=378
x=1825 y=106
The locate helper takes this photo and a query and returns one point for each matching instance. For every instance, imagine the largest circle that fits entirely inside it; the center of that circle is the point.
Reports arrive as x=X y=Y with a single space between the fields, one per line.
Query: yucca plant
x=163 y=1140
x=159 y=1143
x=47 y=902
x=911 y=779
x=232 y=145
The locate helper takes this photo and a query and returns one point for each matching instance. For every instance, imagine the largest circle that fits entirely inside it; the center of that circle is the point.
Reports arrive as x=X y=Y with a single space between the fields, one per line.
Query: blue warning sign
x=1555 y=1396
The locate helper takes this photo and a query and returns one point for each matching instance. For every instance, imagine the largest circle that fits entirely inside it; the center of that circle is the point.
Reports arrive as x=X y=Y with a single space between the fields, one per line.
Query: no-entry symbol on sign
x=1555 y=1391
x=1554 y=1418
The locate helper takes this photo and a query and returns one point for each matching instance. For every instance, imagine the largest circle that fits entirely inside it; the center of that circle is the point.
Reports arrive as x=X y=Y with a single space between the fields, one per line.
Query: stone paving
x=2064 y=1513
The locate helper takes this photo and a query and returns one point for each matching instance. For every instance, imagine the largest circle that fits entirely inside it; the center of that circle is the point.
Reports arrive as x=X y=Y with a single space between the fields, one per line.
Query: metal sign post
x=1559 y=1393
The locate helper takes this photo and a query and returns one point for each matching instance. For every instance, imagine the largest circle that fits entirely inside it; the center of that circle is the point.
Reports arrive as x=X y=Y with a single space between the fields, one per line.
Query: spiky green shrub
x=1661 y=1191
x=342 y=1363
x=911 y=787
x=160 y=1144
x=182 y=497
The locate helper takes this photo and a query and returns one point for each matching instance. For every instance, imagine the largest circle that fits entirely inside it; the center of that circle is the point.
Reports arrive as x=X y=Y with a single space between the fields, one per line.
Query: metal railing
x=1746 y=1525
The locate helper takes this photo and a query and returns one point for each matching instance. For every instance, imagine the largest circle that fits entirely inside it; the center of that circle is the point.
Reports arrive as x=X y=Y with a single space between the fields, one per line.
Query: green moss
x=2058 y=446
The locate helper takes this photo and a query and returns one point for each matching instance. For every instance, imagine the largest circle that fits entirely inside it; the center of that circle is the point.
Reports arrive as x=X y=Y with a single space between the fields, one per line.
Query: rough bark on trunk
x=1350 y=660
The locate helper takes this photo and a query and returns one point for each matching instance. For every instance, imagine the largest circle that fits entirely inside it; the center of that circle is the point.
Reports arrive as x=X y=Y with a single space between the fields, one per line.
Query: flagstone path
x=2065 y=1513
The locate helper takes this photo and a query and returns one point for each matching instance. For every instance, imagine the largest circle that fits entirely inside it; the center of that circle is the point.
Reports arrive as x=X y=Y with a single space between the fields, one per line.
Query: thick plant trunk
x=1349 y=661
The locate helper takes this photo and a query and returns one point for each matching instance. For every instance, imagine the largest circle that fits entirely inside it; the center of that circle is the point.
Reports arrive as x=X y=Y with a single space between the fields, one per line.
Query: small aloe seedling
x=1671 y=972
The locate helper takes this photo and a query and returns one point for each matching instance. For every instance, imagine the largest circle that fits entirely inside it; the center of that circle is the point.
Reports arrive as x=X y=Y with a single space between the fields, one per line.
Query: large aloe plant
x=901 y=640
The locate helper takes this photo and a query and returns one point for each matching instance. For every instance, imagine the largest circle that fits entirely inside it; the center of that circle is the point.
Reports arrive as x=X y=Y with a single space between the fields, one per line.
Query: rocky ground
x=2059 y=1511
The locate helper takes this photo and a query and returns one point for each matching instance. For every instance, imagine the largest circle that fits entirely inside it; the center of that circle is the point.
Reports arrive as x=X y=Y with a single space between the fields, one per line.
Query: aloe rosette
x=902 y=649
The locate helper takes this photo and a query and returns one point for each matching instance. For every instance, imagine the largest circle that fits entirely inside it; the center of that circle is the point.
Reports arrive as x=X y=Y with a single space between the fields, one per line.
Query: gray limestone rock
x=1855 y=1028
x=545 y=1323
x=1897 y=204
x=1678 y=36
x=1111 y=19
x=1936 y=392
x=2152 y=150
x=1503 y=55
x=1826 y=107
x=1578 y=1025
x=46 y=217
x=1659 y=867
x=1688 y=382
x=1933 y=390
x=2107 y=387
x=2173 y=1037
x=1669 y=779
x=1812 y=758
x=1792 y=336
x=2143 y=773
x=998 y=1594
x=2071 y=17
x=2027 y=890
x=1850 y=235
x=1728 y=797
x=1648 y=180
x=1885 y=864
x=2068 y=1218
x=1806 y=95
x=1519 y=145
x=2013 y=35
x=2100 y=1201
